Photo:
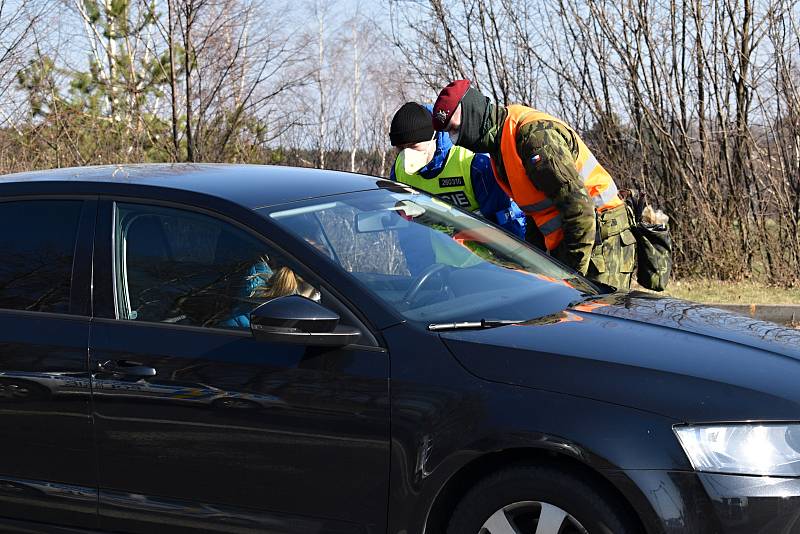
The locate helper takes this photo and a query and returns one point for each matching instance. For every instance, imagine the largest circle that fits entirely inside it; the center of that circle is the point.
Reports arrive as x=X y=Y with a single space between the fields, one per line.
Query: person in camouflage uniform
x=573 y=208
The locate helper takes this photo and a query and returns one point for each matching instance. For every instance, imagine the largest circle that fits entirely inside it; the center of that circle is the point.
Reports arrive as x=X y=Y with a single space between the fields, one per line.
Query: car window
x=37 y=244
x=181 y=267
x=430 y=261
x=385 y=256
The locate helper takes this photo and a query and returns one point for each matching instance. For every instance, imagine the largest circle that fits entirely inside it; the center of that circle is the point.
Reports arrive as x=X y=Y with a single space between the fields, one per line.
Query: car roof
x=252 y=186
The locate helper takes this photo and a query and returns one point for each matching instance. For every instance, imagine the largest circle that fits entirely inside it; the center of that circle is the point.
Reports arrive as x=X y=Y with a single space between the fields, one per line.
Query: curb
x=777 y=313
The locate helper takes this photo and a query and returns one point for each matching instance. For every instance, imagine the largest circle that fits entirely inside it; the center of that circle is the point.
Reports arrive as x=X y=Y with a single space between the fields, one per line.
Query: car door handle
x=125 y=367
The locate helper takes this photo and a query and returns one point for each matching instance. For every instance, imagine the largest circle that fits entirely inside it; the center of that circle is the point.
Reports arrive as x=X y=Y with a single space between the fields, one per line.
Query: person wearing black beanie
x=431 y=163
x=411 y=124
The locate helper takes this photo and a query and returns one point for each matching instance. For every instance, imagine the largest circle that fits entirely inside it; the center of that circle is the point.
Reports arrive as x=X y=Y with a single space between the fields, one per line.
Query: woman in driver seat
x=264 y=284
x=281 y=283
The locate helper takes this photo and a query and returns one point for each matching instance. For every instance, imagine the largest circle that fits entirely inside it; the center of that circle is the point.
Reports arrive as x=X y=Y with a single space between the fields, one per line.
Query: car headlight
x=762 y=449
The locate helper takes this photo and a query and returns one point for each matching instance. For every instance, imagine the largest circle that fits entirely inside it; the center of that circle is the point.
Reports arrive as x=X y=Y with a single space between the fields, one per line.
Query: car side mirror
x=300 y=320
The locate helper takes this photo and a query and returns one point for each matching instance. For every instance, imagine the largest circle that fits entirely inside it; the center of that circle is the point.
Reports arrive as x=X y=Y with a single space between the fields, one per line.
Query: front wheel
x=538 y=500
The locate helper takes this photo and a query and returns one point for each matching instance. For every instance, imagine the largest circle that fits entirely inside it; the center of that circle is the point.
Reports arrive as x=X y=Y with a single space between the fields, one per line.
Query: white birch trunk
x=323 y=123
x=356 y=98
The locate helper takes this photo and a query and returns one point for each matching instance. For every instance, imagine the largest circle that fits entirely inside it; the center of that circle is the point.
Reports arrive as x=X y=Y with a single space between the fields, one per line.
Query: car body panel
x=47 y=469
x=250 y=186
x=135 y=513
x=699 y=503
x=626 y=350
x=251 y=459
x=11 y=526
x=444 y=418
x=231 y=429
x=702 y=319
x=47 y=439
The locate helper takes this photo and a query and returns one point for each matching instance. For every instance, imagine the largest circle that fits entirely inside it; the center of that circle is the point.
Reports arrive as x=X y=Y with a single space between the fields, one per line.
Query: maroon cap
x=447 y=103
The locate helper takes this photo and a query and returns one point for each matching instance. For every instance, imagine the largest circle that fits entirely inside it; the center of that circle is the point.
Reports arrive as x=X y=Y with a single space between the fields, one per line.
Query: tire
x=521 y=496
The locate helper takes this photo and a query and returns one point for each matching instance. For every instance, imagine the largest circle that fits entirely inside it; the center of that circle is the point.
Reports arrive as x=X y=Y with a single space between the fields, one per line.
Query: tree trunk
x=173 y=82
x=356 y=96
x=189 y=55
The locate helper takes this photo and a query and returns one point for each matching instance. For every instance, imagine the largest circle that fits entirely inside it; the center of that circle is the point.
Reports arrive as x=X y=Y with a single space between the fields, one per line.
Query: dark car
x=208 y=348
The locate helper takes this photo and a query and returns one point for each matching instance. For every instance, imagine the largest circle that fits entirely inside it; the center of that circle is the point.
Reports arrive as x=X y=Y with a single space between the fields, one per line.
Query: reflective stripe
x=611 y=191
x=588 y=166
x=551 y=226
x=539 y=206
x=606 y=196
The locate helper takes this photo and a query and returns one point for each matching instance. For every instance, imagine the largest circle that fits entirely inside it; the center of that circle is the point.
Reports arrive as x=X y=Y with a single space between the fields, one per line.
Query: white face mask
x=414 y=160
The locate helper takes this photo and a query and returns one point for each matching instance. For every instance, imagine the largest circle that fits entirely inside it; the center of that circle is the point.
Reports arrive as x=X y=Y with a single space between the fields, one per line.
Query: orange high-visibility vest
x=598 y=182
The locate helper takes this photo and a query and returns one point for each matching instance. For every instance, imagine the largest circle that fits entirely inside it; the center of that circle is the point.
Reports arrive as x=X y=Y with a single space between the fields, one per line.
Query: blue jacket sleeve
x=493 y=201
x=257 y=277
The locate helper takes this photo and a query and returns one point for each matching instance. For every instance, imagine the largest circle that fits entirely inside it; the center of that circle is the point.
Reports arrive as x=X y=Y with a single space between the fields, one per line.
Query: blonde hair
x=278 y=284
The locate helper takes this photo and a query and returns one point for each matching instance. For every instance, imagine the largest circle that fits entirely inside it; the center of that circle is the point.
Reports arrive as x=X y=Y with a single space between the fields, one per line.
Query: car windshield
x=430 y=261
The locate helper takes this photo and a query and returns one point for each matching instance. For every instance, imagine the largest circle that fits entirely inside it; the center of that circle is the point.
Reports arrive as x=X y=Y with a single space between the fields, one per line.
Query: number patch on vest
x=459 y=198
x=453 y=181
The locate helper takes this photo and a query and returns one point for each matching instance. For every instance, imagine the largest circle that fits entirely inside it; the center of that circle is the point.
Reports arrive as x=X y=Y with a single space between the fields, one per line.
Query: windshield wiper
x=472 y=325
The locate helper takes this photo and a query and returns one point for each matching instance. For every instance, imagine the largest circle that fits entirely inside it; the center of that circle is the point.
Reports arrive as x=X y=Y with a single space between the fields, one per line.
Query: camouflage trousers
x=614 y=254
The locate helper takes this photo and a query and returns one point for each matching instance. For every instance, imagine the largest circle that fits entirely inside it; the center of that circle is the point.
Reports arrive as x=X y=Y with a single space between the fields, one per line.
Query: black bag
x=653 y=245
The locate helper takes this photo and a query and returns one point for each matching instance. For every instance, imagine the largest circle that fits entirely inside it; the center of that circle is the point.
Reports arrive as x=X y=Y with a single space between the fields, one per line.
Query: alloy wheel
x=531 y=517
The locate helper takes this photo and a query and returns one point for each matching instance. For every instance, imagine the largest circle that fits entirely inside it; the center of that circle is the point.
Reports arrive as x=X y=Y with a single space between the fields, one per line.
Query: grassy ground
x=716 y=292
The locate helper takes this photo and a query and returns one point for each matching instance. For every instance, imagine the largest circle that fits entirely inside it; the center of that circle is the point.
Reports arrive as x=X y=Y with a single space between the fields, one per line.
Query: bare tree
x=17 y=21
x=321 y=12
x=237 y=60
x=694 y=102
x=356 y=95
x=487 y=42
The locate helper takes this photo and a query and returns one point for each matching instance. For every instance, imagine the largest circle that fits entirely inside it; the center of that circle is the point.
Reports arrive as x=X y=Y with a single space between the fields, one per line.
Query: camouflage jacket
x=555 y=176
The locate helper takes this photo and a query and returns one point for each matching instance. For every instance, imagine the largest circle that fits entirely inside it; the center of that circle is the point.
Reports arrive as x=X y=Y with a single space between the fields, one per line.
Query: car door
x=201 y=426
x=47 y=467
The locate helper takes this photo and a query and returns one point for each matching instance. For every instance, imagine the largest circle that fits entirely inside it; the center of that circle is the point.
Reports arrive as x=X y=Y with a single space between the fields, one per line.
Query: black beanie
x=411 y=124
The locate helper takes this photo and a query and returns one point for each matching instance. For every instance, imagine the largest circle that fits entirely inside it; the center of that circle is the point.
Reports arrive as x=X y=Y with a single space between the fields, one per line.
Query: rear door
x=200 y=426
x=47 y=465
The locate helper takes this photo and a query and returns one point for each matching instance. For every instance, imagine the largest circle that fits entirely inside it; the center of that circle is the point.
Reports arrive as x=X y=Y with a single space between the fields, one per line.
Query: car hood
x=687 y=361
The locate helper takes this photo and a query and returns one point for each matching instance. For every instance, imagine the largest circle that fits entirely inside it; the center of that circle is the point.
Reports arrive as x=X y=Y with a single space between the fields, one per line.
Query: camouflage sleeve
x=553 y=173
